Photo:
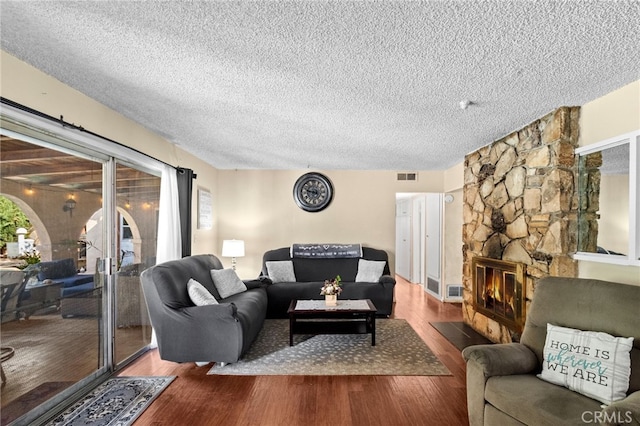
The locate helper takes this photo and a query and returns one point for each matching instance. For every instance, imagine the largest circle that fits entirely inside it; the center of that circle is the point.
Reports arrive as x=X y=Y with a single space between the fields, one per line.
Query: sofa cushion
x=75 y=280
x=596 y=364
x=55 y=269
x=535 y=402
x=281 y=271
x=199 y=295
x=86 y=288
x=227 y=282
x=369 y=271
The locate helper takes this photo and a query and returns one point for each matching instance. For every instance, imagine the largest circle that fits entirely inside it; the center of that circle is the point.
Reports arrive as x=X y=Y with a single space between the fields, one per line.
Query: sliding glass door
x=137 y=200
x=54 y=328
x=79 y=312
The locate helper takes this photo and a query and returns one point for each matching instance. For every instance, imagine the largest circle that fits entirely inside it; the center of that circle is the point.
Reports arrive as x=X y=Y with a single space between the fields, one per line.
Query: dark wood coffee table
x=348 y=317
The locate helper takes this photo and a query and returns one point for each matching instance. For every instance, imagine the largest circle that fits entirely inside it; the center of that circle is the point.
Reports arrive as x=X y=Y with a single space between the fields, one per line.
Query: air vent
x=408 y=176
x=454 y=291
x=433 y=285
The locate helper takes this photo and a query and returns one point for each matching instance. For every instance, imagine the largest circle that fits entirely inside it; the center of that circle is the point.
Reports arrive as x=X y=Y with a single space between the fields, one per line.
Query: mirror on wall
x=604 y=201
x=609 y=203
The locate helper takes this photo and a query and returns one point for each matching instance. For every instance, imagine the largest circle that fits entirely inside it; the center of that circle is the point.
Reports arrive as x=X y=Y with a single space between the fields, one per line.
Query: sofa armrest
x=625 y=411
x=502 y=359
x=484 y=361
x=221 y=311
x=199 y=333
x=255 y=283
x=265 y=280
x=387 y=279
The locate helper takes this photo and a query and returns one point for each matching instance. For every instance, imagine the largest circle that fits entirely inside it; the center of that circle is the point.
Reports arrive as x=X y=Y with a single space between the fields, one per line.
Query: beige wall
x=453 y=221
x=258 y=207
x=611 y=115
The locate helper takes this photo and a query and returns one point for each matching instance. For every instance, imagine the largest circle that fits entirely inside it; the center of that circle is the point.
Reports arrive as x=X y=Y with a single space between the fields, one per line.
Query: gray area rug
x=118 y=401
x=399 y=351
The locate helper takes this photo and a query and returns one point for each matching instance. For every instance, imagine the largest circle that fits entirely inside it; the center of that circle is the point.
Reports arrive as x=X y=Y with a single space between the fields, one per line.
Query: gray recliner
x=502 y=387
x=187 y=333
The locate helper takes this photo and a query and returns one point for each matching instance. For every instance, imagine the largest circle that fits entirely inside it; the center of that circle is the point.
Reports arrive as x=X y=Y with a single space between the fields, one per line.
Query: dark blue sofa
x=64 y=271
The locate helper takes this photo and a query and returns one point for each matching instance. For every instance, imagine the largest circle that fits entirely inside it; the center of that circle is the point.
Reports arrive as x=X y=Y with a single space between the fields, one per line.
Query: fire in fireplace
x=499 y=291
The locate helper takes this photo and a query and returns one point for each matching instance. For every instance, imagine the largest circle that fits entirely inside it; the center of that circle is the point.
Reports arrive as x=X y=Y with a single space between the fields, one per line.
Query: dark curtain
x=185 y=190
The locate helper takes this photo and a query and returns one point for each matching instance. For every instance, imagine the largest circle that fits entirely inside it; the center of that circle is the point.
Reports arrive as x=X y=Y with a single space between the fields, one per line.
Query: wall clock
x=313 y=192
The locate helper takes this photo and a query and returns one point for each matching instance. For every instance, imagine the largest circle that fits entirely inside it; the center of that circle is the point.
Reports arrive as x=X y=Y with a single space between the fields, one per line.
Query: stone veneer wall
x=520 y=204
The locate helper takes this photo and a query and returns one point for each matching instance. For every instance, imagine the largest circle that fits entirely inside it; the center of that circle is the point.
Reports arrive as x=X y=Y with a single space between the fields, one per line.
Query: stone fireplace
x=520 y=205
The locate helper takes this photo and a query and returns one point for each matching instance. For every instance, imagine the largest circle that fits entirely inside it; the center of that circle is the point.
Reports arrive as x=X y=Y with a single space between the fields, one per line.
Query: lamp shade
x=233 y=248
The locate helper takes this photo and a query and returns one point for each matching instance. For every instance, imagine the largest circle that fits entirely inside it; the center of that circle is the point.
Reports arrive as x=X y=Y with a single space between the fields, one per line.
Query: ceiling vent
x=408 y=176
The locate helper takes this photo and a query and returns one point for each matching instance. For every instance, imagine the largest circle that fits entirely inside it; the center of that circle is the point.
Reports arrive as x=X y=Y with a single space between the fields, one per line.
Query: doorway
x=419 y=225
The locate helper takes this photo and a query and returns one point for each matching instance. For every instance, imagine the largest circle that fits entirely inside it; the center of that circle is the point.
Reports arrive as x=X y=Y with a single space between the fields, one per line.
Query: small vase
x=331 y=300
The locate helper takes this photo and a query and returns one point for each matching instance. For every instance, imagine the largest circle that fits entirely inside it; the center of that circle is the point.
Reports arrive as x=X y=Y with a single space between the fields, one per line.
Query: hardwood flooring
x=195 y=398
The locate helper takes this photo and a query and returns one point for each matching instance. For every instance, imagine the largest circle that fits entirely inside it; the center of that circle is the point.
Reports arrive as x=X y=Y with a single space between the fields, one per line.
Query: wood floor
x=195 y=398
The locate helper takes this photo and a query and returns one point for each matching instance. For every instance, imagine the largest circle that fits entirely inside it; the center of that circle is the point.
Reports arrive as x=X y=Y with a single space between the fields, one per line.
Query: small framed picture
x=205 y=209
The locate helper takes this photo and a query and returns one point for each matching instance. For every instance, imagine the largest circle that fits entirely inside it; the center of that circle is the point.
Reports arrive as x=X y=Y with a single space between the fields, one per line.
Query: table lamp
x=233 y=249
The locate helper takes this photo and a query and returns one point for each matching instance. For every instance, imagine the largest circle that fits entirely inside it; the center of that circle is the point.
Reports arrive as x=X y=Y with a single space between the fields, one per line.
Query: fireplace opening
x=499 y=291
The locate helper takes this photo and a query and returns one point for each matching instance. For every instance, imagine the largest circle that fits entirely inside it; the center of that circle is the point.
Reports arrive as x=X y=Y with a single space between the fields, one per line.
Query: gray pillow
x=199 y=295
x=281 y=271
x=227 y=282
x=369 y=271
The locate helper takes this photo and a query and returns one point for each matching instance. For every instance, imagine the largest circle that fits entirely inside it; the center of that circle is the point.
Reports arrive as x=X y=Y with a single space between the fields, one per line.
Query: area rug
x=118 y=401
x=399 y=351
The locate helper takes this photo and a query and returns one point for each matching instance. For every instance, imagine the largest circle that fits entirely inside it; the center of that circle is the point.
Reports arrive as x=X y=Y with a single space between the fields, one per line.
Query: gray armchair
x=220 y=333
x=502 y=387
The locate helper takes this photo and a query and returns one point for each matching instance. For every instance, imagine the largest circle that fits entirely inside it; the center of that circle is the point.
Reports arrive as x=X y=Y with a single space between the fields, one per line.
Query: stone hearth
x=520 y=205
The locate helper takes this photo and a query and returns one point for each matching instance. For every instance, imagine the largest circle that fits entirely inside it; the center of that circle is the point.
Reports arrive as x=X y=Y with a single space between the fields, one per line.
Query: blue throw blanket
x=326 y=251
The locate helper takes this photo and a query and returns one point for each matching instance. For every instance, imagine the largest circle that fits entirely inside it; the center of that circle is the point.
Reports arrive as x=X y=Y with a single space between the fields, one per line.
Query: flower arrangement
x=332 y=287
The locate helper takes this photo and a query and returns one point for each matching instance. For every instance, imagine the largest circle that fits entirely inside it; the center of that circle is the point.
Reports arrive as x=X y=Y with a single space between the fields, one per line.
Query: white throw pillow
x=369 y=271
x=595 y=364
x=199 y=295
x=227 y=282
x=281 y=271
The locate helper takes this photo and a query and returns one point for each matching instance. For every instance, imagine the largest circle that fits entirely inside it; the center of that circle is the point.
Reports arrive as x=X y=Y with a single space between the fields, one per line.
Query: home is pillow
x=595 y=364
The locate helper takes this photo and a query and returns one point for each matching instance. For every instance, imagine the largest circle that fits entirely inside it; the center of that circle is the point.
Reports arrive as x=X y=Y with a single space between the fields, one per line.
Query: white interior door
x=418 y=240
x=403 y=239
x=434 y=243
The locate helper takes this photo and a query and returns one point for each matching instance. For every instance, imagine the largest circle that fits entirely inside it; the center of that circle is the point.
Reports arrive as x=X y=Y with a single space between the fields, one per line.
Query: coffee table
x=347 y=317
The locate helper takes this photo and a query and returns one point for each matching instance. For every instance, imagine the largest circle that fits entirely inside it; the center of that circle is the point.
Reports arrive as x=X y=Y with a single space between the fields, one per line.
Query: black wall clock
x=313 y=192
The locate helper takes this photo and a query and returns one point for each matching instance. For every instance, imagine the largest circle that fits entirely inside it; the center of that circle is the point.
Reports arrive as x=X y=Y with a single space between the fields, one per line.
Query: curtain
x=169 y=246
x=185 y=190
x=169 y=236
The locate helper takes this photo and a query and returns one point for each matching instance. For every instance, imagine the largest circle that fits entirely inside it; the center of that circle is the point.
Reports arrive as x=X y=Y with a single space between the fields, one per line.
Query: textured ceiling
x=330 y=85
